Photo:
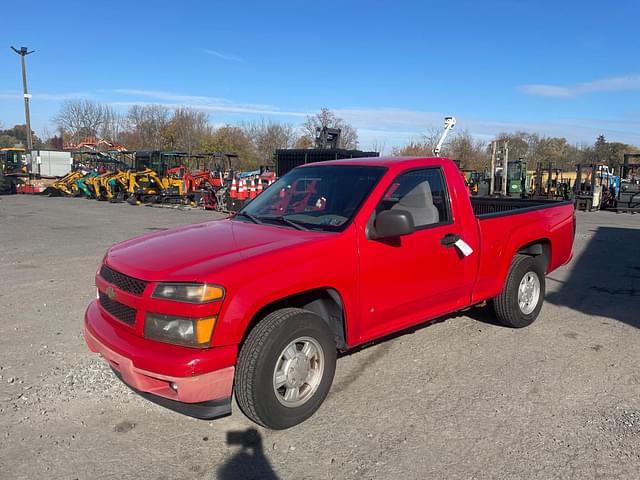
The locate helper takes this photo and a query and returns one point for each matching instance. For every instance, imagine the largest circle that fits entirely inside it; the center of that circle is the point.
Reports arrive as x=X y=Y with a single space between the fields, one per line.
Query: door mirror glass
x=394 y=223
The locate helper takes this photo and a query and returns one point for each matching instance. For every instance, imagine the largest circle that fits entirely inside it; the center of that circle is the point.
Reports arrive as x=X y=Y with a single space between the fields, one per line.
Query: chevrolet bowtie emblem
x=111 y=293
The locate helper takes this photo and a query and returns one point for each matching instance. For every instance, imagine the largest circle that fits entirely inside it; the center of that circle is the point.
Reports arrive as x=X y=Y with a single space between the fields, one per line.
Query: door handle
x=449 y=240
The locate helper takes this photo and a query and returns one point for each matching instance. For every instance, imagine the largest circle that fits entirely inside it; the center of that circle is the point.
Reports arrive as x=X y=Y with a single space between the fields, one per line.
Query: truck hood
x=194 y=252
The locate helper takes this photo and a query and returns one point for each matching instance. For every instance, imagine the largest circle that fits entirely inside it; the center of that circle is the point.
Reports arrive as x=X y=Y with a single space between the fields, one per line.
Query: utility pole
x=23 y=52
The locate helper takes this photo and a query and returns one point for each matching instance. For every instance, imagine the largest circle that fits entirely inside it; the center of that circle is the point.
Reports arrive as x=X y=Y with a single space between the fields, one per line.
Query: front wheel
x=285 y=368
x=521 y=299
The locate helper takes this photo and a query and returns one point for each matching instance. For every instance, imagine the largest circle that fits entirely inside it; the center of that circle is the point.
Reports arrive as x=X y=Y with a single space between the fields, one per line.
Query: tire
x=263 y=353
x=508 y=306
x=7 y=185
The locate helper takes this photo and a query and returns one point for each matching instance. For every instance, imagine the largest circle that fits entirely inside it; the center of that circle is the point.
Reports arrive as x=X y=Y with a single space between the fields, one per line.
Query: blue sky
x=392 y=69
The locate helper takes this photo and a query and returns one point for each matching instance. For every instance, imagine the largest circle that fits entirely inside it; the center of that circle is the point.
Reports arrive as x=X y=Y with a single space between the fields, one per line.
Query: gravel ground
x=459 y=398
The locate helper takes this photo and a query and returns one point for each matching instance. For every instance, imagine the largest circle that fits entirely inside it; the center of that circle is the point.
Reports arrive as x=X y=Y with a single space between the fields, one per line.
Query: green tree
x=601 y=149
x=8 y=141
x=17 y=135
x=186 y=131
x=231 y=139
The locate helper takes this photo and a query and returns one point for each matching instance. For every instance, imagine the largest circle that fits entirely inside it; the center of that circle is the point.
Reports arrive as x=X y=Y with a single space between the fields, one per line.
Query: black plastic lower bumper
x=208 y=410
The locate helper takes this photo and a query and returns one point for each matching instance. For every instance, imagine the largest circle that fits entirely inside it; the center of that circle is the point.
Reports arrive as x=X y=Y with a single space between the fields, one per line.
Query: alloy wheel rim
x=298 y=372
x=529 y=292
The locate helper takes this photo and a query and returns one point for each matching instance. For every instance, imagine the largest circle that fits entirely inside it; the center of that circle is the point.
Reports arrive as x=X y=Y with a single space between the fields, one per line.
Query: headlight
x=191 y=332
x=189 y=292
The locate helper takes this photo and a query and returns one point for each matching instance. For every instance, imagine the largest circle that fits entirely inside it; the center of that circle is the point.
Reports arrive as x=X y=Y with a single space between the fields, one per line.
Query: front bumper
x=203 y=395
x=207 y=410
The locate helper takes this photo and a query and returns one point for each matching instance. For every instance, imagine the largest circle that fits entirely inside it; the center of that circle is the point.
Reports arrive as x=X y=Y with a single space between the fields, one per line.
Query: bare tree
x=378 y=146
x=304 y=142
x=461 y=146
x=422 y=147
x=269 y=136
x=146 y=124
x=80 y=118
x=471 y=152
x=326 y=118
x=113 y=124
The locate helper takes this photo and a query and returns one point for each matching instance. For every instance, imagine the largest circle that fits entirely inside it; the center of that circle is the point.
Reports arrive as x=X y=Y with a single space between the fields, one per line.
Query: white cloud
x=546 y=90
x=611 y=84
x=389 y=125
x=204 y=103
x=224 y=56
x=396 y=126
x=54 y=97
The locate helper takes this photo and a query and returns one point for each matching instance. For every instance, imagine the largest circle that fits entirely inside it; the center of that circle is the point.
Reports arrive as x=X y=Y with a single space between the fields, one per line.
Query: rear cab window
x=421 y=192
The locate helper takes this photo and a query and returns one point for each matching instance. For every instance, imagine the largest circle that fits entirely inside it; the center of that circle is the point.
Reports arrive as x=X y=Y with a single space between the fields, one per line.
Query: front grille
x=122 y=312
x=122 y=281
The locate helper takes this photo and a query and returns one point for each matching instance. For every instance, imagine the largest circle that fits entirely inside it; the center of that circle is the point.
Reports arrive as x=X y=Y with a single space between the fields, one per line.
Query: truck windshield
x=317 y=198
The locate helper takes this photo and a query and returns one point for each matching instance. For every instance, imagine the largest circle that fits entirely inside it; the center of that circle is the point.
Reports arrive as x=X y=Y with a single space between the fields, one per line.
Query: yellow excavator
x=96 y=184
x=147 y=186
x=66 y=185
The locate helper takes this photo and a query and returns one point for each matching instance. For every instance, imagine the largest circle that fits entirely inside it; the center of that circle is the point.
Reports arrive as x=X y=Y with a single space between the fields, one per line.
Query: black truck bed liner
x=489 y=207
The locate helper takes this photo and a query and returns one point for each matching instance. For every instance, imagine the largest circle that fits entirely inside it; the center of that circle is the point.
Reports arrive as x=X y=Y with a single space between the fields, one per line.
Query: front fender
x=331 y=264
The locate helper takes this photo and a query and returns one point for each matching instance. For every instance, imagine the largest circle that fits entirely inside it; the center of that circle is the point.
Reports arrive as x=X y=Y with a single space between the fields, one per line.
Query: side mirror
x=394 y=223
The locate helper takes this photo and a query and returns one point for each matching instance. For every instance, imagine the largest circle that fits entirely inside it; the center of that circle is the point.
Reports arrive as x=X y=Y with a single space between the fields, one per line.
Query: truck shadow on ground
x=605 y=277
x=249 y=462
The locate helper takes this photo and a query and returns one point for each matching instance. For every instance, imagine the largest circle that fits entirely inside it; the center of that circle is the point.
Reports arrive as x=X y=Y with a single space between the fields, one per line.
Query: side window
x=421 y=193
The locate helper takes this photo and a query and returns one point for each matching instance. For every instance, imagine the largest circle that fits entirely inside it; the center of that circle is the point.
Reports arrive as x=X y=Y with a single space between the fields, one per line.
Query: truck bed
x=489 y=207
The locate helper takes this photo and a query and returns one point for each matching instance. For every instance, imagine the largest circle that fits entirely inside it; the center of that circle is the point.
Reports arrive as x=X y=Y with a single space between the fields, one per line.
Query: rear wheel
x=285 y=368
x=521 y=299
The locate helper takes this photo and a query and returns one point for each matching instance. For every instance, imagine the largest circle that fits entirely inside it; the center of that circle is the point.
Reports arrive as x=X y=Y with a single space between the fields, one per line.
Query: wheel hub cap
x=529 y=292
x=297 y=370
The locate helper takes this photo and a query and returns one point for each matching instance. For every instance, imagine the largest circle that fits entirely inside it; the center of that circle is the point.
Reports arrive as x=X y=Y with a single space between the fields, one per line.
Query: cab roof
x=382 y=161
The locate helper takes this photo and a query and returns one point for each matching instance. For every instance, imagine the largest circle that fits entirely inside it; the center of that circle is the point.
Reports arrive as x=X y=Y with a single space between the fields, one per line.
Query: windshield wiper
x=284 y=220
x=253 y=218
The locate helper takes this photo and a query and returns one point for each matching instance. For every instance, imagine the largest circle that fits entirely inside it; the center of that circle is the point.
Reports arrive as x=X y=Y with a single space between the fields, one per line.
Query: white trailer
x=50 y=163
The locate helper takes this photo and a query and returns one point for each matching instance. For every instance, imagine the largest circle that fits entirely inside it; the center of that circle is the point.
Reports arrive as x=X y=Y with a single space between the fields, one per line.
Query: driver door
x=410 y=279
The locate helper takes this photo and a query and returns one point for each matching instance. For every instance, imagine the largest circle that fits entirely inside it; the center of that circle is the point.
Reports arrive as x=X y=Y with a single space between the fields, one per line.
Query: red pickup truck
x=331 y=256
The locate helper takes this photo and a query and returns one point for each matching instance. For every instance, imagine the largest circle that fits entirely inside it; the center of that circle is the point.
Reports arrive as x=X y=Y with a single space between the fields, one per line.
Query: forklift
x=629 y=195
x=499 y=170
x=517 y=178
x=508 y=178
x=596 y=187
x=549 y=182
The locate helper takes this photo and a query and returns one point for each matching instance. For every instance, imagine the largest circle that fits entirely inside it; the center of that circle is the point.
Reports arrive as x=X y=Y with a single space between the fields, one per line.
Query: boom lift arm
x=449 y=123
